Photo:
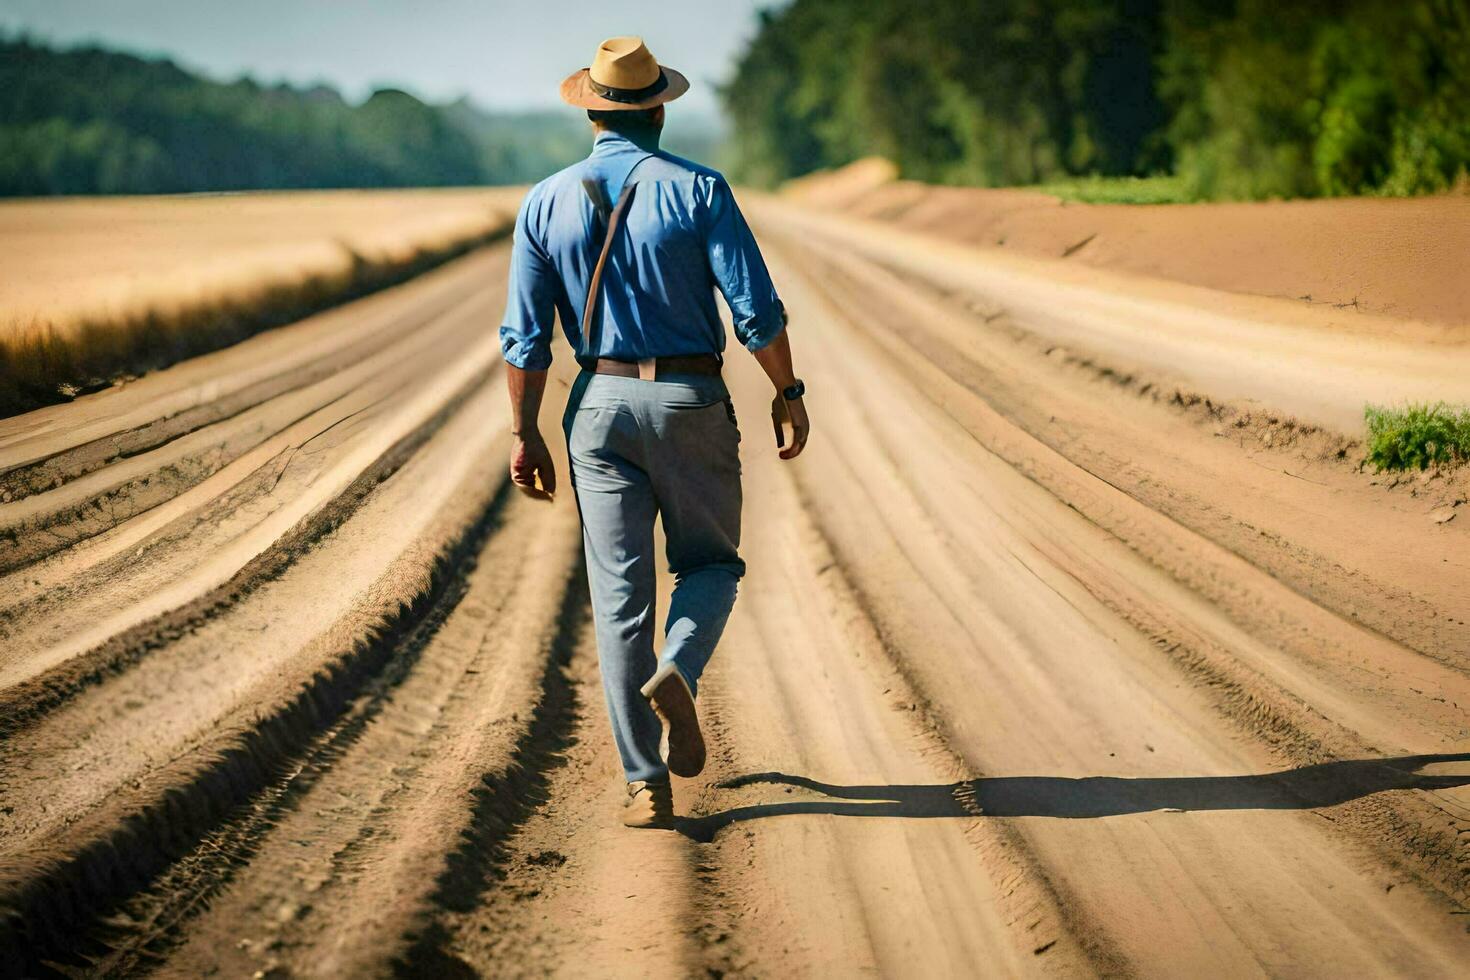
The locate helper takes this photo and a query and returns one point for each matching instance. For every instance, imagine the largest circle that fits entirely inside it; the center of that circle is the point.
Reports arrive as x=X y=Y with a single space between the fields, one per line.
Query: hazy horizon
x=439 y=52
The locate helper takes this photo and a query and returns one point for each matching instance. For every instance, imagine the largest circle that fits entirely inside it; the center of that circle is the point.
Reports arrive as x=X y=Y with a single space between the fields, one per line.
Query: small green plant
x=1417 y=436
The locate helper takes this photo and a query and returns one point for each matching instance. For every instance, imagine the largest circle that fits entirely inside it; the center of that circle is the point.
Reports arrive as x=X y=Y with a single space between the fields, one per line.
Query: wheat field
x=98 y=288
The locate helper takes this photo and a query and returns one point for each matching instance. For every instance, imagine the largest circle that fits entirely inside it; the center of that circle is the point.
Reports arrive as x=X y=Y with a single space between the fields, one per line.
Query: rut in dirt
x=23 y=704
x=45 y=913
x=505 y=800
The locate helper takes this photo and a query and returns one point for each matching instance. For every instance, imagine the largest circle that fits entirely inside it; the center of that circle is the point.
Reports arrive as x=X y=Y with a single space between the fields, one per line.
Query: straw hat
x=623 y=76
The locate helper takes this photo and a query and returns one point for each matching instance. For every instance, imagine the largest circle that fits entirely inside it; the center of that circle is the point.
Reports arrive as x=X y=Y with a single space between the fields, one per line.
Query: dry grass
x=99 y=289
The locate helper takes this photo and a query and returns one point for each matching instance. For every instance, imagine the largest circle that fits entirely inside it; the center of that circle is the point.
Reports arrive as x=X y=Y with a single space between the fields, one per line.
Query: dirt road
x=1075 y=644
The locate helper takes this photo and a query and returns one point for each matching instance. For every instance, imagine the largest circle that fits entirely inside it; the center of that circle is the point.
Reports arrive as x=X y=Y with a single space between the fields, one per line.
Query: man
x=649 y=425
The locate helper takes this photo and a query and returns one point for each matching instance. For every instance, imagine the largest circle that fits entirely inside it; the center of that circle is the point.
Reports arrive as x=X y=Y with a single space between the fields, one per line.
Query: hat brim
x=576 y=89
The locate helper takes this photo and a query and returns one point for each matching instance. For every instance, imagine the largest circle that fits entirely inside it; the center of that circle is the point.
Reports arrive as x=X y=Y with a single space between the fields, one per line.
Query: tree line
x=92 y=121
x=1243 y=99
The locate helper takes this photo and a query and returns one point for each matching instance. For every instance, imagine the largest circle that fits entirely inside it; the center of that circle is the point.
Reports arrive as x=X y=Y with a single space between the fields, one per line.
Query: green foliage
x=1118 y=190
x=89 y=121
x=58 y=156
x=1318 y=96
x=1242 y=100
x=1417 y=436
x=955 y=91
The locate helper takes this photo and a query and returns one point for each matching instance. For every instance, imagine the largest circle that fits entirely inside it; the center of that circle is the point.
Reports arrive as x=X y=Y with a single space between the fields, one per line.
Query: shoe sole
x=673 y=702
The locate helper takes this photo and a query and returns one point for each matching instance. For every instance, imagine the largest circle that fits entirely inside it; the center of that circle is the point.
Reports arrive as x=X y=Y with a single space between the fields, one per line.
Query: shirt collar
x=608 y=141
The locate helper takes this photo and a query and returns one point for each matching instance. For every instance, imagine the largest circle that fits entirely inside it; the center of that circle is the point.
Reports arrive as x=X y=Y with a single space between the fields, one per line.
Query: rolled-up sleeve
x=530 y=309
x=739 y=270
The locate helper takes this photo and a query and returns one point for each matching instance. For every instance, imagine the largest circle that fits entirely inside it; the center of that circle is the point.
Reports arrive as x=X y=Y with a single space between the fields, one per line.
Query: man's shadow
x=1307 y=788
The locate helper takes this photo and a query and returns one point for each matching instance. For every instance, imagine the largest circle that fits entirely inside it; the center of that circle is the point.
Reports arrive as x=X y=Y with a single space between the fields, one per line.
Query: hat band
x=629 y=95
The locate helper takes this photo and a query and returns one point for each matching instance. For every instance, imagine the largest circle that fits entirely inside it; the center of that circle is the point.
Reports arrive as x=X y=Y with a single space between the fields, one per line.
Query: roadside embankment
x=101 y=289
x=1398 y=257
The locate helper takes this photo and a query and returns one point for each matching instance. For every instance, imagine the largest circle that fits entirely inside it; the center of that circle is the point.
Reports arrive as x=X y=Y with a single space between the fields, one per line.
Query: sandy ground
x=1401 y=256
x=1076 y=644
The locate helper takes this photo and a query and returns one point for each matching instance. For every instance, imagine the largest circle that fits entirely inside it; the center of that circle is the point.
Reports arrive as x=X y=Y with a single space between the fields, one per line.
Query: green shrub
x=1416 y=436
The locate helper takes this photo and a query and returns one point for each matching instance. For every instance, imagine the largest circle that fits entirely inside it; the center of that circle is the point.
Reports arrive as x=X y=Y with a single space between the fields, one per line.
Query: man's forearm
x=775 y=360
x=526 y=389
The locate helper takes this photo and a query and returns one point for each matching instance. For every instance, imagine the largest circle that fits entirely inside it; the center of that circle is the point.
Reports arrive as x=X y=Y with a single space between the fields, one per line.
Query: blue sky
x=503 y=55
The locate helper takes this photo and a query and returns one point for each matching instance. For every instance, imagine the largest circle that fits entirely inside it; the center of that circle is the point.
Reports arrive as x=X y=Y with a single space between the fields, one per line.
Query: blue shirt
x=682 y=237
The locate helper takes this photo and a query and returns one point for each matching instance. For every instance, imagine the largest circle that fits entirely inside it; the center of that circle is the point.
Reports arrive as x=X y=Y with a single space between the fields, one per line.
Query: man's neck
x=644 y=139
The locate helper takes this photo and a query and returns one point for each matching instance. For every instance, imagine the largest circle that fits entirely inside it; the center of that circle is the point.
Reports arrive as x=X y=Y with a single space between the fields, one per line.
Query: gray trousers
x=640 y=449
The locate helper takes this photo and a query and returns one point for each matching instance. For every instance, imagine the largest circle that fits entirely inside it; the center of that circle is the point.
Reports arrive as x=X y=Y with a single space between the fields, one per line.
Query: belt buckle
x=648 y=369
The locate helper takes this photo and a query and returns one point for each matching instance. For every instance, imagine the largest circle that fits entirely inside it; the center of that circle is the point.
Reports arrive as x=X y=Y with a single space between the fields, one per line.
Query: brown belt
x=656 y=368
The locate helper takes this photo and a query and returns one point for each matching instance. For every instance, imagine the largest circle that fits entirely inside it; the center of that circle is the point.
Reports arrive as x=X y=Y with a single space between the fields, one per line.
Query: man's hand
x=793 y=414
x=529 y=459
x=775 y=360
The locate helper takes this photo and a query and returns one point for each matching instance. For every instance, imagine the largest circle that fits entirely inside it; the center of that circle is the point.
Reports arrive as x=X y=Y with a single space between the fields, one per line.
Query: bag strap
x=591 y=323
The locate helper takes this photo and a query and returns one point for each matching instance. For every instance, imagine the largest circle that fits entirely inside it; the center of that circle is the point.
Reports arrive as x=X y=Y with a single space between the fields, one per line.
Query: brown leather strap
x=590 y=321
x=707 y=364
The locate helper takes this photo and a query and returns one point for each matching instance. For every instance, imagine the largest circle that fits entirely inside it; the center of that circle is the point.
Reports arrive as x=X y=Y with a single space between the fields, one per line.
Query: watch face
x=795 y=391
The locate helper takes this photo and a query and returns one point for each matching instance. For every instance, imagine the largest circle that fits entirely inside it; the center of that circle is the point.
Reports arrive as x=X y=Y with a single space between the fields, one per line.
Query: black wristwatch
x=795 y=391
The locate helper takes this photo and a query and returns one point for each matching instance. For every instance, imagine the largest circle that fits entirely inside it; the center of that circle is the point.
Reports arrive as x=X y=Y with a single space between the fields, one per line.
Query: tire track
x=168 y=557
x=338 y=884
x=568 y=888
x=988 y=903
x=25 y=703
x=60 y=878
x=1324 y=539
x=962 y=572
x=84 y=829
x=41 y=524
x=45 y=449
x=1326 y=712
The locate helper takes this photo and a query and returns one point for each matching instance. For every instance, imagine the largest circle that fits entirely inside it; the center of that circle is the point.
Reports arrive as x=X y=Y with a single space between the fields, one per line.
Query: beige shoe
x=649 y=805
x=673 y=702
